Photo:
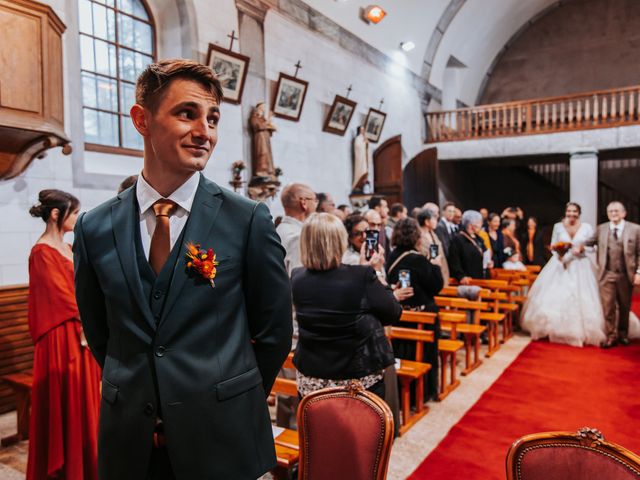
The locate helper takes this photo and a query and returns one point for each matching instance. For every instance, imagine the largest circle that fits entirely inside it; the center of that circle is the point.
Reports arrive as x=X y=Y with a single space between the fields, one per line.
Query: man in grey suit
x=189 y=346
x=618 y=244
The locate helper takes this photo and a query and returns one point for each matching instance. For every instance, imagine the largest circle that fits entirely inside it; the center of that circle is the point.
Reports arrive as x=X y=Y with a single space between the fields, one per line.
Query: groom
x=618 y=271
x=189 y=347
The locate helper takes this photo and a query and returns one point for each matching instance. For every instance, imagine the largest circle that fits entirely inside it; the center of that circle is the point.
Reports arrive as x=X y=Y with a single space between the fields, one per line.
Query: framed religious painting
x=289 y=97
x=373 y=124
x=231 y=69
x=339 y=116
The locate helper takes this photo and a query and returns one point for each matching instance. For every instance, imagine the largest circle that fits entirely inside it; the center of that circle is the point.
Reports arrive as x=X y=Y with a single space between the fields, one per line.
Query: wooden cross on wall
x=233 y=38
x=298 y=67
x=381 y=103
x=349 y=91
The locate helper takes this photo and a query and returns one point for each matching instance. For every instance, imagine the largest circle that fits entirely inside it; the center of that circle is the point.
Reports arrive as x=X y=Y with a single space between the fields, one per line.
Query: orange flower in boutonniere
x=201 y=262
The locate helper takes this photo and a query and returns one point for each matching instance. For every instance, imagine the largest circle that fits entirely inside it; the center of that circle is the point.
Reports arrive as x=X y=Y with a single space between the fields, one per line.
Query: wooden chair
x=344 y=433
x=16 y=358
x=570 y=456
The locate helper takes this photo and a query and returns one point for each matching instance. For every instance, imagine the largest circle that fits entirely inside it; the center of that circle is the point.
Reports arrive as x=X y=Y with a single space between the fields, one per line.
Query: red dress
x=65 y=399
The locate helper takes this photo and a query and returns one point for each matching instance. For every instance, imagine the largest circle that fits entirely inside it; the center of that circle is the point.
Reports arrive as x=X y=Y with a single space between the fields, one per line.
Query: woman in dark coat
x=466 y=254
x=341 y=310
x=426 y=280
x=532 y=243
x=497 y=240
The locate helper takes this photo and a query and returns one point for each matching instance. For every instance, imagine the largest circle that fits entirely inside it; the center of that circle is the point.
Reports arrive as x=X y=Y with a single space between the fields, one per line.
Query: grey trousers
x=615 y=294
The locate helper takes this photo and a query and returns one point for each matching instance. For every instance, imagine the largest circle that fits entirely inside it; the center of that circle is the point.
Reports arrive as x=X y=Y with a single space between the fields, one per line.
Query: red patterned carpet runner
x=548 y=387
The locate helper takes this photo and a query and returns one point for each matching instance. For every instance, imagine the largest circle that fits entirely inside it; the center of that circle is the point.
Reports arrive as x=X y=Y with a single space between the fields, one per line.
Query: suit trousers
x=160 y=465
x=615 y=294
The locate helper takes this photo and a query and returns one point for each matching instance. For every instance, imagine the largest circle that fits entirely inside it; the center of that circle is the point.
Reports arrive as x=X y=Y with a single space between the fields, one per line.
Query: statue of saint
x=360 y=160
x=262 y=129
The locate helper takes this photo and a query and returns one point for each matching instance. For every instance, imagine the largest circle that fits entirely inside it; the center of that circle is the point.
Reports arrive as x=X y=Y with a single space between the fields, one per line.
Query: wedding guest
x=497 y=239
x=298 y=201
x=342 y=212
x=532 y=244
x=65 y=397
x=356 y=227
x=446 y=229
x=127 y=182
x=457 y=218
x=341 y=311
x=379 y=204
x=426 y=280
x=513 y=261
x=433 y=207
x=325 y=203
x=485 y=217
x=509 y=232
x=428 y=221
x=397 y=212
x=466 y=257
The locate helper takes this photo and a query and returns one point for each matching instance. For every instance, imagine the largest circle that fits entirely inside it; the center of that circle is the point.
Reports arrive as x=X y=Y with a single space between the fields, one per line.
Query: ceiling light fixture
x=373 y=14
x=407 y=46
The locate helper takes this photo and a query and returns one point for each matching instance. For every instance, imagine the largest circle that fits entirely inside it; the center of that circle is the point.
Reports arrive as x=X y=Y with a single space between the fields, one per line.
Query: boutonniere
x=201 y=262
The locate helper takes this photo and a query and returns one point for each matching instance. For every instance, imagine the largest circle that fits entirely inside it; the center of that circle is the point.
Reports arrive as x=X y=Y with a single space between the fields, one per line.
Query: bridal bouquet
x=561 y=248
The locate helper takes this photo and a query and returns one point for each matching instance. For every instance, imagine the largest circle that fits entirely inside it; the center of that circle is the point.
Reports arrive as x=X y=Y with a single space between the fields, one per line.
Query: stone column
x=251 y=15
x=583 y=184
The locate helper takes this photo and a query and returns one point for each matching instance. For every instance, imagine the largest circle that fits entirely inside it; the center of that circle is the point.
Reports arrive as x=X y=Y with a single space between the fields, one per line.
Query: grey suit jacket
x=630 y=244
x=213 y=352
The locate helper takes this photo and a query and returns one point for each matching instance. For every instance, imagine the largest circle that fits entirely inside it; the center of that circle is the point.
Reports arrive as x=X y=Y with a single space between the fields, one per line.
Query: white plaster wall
x=302 y=149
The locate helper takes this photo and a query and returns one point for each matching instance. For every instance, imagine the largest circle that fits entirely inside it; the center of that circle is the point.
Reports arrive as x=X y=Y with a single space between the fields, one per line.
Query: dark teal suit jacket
x=214 y=352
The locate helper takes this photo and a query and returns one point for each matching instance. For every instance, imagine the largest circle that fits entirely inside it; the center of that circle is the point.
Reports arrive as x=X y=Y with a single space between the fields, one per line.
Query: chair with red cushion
x=570 y=456
x=344 y=433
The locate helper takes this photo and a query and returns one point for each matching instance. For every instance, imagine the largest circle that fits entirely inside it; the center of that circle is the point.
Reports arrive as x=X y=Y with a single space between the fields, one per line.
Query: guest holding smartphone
x=426 y=280
x=431 y=246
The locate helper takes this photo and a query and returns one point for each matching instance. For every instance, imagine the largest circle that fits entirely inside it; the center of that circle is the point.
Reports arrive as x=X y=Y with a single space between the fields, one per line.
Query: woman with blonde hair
x=341 y=310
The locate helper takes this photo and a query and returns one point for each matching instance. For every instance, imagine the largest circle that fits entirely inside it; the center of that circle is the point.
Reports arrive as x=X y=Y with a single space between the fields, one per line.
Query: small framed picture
x=231 y=69
x=339 y=116
x=373 y=124
x=289 y=97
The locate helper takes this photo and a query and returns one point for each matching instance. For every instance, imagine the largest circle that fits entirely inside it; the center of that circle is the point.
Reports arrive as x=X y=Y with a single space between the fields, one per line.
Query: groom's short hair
x=156 y=78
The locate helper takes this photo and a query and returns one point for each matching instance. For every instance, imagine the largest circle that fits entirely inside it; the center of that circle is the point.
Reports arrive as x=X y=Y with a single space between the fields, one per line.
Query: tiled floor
x=408 y=451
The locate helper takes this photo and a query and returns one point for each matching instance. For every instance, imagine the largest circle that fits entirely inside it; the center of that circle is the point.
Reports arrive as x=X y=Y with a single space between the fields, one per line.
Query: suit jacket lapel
x=123 y=218
x=204 y=211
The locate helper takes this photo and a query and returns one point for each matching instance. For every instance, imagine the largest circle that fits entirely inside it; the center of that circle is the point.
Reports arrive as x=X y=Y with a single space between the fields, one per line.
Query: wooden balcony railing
x=599 y=109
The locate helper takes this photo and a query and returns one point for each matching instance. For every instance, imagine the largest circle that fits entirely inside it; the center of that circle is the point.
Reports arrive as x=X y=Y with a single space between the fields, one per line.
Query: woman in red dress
x=65 y=400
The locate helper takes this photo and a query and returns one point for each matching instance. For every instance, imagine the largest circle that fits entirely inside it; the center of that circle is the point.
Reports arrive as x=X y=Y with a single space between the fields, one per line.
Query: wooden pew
x=286 y=443
x=16 y=358
x=410 y=372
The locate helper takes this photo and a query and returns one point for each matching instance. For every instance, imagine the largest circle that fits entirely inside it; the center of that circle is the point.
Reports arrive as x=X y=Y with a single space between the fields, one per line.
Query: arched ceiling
x=473 y=31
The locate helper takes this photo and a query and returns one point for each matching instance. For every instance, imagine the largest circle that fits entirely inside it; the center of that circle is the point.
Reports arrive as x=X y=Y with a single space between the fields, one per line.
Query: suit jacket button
x=157 y=294
x=160 y=351
x=149 y=409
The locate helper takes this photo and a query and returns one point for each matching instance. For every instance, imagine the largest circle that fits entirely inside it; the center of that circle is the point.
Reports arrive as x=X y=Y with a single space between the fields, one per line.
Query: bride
x=564 y=301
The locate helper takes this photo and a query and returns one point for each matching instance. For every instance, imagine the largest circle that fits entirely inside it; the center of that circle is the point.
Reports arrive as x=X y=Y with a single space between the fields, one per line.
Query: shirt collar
x=291 y=221
x=620 y=226
x=183 y=196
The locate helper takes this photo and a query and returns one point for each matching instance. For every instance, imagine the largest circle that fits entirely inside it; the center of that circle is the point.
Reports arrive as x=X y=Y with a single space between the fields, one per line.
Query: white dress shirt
x=619 y=227
x=289 y=231
x=183 y=196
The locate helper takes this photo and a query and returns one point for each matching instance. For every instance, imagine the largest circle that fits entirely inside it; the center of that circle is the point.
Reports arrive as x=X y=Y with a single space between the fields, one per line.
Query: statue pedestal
x=359 y=200
x=262 y=188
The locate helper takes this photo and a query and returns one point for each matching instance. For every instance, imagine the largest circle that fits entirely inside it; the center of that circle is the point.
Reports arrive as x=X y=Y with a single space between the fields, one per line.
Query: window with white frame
x=117 y=42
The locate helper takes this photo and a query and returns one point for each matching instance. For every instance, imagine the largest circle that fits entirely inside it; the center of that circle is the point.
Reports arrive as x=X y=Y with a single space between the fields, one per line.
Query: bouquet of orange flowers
x=561 y=248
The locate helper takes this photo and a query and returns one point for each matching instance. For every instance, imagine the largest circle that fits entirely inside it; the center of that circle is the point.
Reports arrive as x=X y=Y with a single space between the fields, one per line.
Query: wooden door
x=387 y=170
x=420 y=179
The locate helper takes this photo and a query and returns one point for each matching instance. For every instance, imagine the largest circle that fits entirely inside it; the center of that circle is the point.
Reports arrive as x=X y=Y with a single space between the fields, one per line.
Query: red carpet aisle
x=635 y=304
x=548 y=387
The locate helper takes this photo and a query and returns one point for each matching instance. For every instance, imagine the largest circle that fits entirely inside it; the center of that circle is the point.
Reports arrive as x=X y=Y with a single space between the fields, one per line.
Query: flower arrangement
x=201 y=262
x=561 y=248
x=237 y=167
x=278 y=172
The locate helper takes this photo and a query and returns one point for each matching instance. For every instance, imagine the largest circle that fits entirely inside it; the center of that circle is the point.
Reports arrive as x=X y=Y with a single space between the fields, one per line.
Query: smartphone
x=434 y=249
x=371 y=239
x=404 y=277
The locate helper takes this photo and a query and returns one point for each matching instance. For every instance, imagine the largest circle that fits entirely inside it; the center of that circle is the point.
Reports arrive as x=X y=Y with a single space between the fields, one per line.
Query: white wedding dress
x=564 y=301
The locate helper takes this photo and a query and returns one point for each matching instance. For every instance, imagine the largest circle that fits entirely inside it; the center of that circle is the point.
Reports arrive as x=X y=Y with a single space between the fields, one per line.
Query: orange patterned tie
x=160 y=241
